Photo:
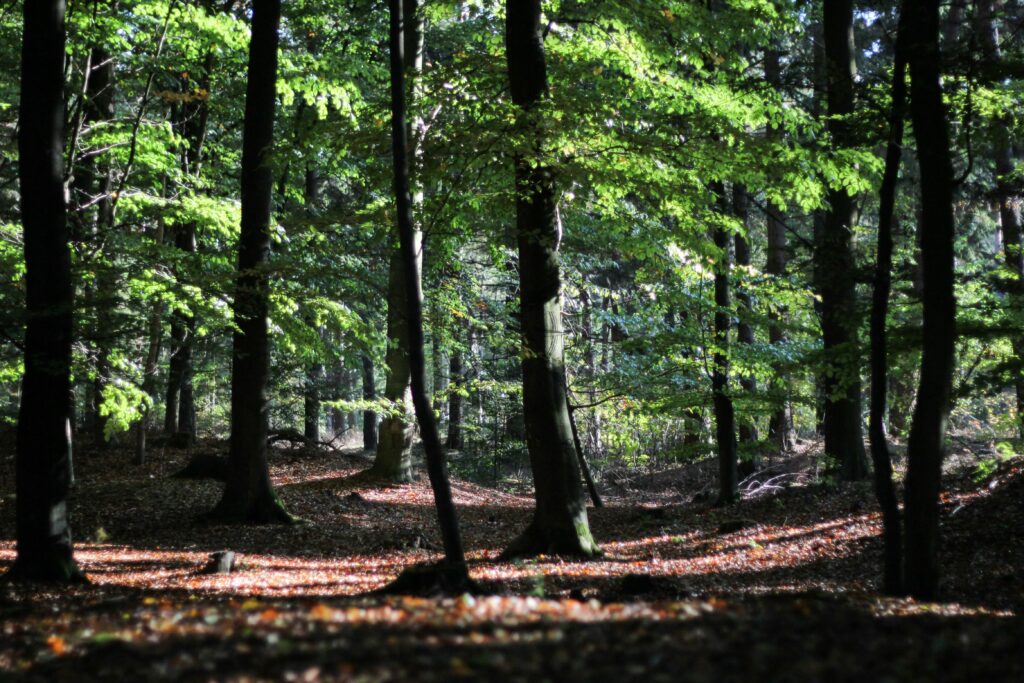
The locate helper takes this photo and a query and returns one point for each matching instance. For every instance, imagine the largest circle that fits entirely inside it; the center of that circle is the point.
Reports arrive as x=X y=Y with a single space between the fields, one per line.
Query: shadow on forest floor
x=780 y=586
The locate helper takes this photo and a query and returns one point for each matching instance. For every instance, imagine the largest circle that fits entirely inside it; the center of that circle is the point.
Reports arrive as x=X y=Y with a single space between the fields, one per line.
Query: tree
x=394 y=458
x=884 y=489
x=834 y=261
x=456 y=572
x=43 y=450
x=780 y=425
x=926 y=448
x=560 y=518
x=248 y=493
x=725 y=421
x=745 y=328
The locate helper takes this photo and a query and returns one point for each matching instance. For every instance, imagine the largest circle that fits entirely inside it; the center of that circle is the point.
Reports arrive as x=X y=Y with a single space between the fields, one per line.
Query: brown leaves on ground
x=780 y=587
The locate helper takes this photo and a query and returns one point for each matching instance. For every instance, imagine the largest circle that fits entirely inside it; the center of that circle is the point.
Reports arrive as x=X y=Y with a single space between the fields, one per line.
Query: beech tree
x=560 y=518
x=43 y=450
x=834 y=260
x=926 y=447
x=248 y=494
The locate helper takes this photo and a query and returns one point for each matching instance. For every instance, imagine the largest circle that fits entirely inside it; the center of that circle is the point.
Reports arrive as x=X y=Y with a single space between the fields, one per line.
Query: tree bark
x=248 y=494
x=437 y=468
x=150 y=365
x=456 y=385
x=744 y=329
x=725 y=423
x=885 y=491
x=560 y=523
x=780 y=424
x=926 y=449
x=369 y=416
x=393 y=460
x=43 y=448
x=834 y=262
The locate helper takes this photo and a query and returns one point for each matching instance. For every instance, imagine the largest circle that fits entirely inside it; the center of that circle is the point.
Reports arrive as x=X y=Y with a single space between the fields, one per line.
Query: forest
x=511 y=340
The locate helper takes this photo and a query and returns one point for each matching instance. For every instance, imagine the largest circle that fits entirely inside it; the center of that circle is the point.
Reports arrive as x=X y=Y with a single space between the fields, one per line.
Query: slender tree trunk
x=150 y=365
x=780 y=425
x=437 y=469
x=744 y=329
x=43 y=449
x=456 y=385
x=725 y=423
x=315 y=373
x=248 y=493
x=369 y=416
x=560 y=523
x=1008 y=199
x=884 y=488
x=927 y=432
x=834 y=262
x=185 y=239
x=174 y=374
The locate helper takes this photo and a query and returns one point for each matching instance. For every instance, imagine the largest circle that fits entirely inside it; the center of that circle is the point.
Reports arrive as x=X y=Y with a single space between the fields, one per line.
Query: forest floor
x=779 y=587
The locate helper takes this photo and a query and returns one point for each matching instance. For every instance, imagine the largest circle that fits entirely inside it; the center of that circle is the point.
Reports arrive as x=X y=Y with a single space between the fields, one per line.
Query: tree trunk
x=725 y=424
x=926 y=449
x=315 y=373
x=411 y=258
x=185 y=239
x=248 y=493
x=1009 y=202
x=744 y=329
x=369 y=416
x=884 y=488
x=150 y=364
x=560 y=523
x=456 y=385
x=174 y=374
x=834 y=262
x=393 y=460
x=43 y=449
x=780 y=424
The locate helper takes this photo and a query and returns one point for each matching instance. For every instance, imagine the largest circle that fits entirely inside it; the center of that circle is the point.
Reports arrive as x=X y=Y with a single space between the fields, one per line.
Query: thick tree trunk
x=744 y=329
x=926 y=448
x=884 y=488
x=780 y=424
x=369 y=394
x=1009 y=201
x=560 y=523
x=411 y=258
x=248 y=493
x=725 y=423
x=393 y=460
x=43 y=449
x=834 y=262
